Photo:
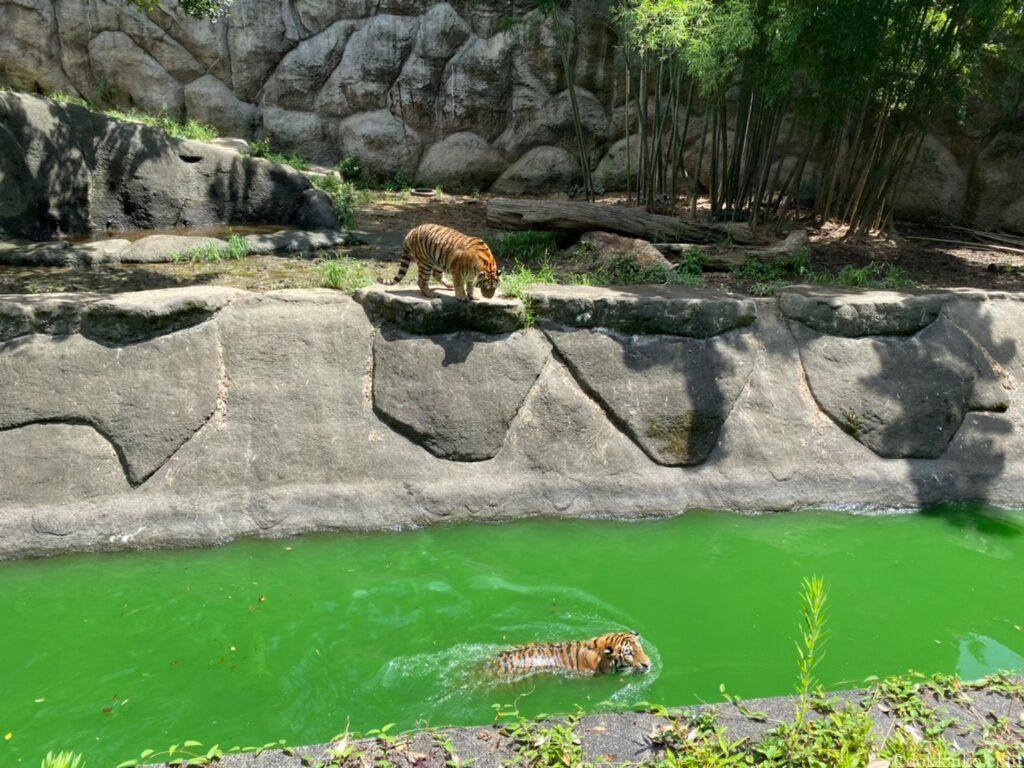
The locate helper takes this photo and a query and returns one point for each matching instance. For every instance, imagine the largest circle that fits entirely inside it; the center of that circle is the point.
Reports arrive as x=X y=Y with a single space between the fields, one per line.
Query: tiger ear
x=634 y=633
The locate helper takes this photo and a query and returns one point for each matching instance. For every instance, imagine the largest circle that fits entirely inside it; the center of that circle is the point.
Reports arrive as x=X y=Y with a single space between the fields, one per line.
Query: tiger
x=612 y=652
x=440 y=249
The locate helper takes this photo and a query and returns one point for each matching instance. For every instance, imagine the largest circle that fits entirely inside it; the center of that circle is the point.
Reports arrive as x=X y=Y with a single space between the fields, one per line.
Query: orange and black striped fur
x=440 y=249
x=614 y=652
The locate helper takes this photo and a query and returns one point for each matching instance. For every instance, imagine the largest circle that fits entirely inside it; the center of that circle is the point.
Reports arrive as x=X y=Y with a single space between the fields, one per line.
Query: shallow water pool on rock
x=265 y=640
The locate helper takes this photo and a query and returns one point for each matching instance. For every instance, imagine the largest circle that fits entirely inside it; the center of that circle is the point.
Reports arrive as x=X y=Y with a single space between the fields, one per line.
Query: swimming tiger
x=440 y=249
x=613 y=652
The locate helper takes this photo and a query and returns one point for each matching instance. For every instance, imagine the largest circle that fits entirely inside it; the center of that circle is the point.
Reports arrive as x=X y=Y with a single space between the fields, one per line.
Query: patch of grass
x=344 y=274
x=624 y=270
x=515 y=282
x=769 y=276
x=262 y=148
x=66 y=98
x=211 y=253
x=527 y=247
x=178 y=129
x=189 y=129
x=62 y=760
x=343 y=198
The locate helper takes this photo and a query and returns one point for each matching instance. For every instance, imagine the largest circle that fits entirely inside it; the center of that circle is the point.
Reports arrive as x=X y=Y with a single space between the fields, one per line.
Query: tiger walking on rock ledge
x=440 y=249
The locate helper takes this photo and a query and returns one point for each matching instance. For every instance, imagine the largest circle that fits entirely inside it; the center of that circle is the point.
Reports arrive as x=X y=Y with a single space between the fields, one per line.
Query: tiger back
x=439 y=250
x=609 y=653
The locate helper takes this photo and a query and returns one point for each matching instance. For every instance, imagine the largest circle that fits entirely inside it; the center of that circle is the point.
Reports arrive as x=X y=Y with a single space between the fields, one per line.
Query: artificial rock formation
x=64 y=169
x=459 y=93
x=192 y=416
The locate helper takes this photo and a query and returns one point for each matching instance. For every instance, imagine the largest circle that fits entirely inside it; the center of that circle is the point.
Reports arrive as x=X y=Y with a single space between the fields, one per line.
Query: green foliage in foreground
x=62 y=760
x=345 y=274
x=211 y=253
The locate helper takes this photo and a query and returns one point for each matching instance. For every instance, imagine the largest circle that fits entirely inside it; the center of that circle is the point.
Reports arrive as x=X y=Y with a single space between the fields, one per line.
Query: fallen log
x=572 y=216
x=724 y=260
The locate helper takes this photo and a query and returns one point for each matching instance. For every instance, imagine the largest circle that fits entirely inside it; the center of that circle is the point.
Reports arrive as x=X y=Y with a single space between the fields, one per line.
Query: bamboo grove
x=762 y=105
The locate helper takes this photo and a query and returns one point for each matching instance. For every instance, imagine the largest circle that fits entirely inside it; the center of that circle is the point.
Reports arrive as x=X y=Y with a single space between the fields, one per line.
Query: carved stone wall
x=461 y=93
x=192 y=416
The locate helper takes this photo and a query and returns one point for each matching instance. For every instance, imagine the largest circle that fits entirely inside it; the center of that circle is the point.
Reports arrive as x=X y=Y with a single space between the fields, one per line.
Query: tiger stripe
x=438 y=250
x=613 y=652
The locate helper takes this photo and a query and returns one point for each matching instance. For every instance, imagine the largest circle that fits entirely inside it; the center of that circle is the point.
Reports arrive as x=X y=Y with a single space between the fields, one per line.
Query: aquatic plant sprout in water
x=265 y=640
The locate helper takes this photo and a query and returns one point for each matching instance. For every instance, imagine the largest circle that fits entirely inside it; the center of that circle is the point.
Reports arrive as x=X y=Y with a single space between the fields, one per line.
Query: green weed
x=261 y=148
x=343 y=198
x=211 y=253
x=344 y=274
x=541 y=745
x=62 y=760
x=189 y=129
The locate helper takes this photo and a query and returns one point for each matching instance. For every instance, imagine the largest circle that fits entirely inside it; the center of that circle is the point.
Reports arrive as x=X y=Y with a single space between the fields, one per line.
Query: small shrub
x=62 y=760
x=343 y=197
x=345 y=274
x=350 y=168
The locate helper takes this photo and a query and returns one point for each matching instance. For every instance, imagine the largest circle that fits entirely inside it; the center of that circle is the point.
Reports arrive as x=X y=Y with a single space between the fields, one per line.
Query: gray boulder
x=372 y=60
x=901 y=397
x=294 y=83
x=297 y=241
x=606 y=247
x=302 y=132
x=461 y=161
x=91 y=173
x=129 y=318
x=408 y=309
x=156 y=249
x=442 y=32
x=138 y=76
x=209 y=101
x=455 y=394
x=935 y=187
x=542 y=169
x=383 y=144
x=475 y=89
x=53 y=380
x=997 y=174
x=670 y=395
x=552 y=123
x=861 y=313
x=674 y=310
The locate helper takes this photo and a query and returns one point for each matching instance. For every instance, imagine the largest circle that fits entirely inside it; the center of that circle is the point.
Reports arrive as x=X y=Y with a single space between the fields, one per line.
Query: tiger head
x=621 y=652
x=488 y=275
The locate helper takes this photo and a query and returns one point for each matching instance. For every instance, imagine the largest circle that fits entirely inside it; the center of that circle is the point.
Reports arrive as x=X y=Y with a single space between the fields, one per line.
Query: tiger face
x=622 y=652
x=488 y=275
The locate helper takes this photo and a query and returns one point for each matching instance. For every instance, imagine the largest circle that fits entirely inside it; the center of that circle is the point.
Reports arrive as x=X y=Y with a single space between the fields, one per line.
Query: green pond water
x=266 y=640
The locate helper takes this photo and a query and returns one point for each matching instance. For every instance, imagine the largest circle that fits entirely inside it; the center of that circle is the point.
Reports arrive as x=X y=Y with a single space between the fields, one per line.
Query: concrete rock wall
x=192 y=416
x=461 y=93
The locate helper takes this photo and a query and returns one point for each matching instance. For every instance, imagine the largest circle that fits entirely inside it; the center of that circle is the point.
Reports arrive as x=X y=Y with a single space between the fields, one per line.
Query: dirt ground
x=924 y=255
